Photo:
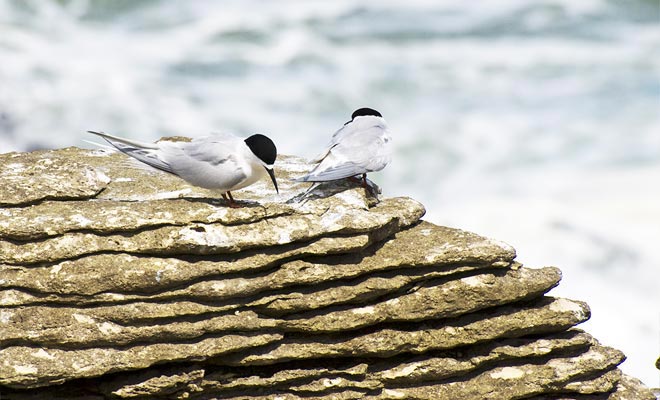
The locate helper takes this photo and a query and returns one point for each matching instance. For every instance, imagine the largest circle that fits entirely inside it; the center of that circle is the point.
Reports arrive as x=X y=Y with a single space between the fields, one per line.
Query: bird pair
x=226 y=162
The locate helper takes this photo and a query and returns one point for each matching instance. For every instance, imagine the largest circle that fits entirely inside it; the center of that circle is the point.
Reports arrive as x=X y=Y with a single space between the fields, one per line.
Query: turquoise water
x=537 y=123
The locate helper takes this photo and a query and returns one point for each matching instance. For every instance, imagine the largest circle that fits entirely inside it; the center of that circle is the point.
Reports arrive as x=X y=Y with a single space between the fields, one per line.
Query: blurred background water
x=536 y=123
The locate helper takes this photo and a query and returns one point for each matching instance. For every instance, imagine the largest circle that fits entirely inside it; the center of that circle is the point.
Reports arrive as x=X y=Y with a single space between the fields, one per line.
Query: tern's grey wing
x=341 y=171
x=214 y=150
x=368 y=148
x=209 y=162
x=143 y=152
x=336 y=137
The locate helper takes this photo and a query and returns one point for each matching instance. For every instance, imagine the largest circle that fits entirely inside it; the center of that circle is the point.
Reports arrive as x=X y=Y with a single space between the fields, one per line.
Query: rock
x=629 y=388
x=106 y=325
x=119 y=282
x=99 y=274
x=29 y=366
x=204 y=239
x=555 y=376
x=549 y=315
x=183 y=380
x=425 y=369
x=32 y=177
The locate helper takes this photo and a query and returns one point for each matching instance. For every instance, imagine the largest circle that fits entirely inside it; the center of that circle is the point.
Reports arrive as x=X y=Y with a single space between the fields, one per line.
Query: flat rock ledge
x=118 y=282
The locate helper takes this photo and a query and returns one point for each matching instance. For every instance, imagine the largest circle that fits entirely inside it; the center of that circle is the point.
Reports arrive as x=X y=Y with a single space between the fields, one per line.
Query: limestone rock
x=32 y=177
x=424 y=369
x=25 y=366
x=205 y=239
x=629 y=388
x=186 y=380
x=549 y=315
x=53 y=218
x=523 y=380
x=105 y=325
x=100 y=276
x=124 y=273
x=120 y=282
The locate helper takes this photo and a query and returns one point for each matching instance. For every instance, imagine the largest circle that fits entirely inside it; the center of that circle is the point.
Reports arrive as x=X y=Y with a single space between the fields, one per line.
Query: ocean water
x=536 y=123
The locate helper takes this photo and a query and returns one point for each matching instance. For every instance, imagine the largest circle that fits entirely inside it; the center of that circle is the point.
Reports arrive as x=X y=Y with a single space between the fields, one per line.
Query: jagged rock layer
x=121 y=282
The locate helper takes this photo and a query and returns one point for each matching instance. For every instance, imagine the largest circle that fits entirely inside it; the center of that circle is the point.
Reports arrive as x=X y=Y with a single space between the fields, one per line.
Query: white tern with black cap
x=222 y=162
x=362 y=145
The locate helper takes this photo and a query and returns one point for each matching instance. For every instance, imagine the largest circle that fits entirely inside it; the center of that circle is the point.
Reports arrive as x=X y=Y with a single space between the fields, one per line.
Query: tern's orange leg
x=230 y=201
x=363 y=181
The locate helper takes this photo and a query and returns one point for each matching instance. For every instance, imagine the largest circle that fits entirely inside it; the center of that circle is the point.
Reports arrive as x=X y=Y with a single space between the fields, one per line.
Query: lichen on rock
x=118 y=282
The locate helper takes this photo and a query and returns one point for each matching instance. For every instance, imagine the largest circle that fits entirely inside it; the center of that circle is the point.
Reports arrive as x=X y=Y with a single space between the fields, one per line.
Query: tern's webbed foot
x=369 y=186
x=231 y=203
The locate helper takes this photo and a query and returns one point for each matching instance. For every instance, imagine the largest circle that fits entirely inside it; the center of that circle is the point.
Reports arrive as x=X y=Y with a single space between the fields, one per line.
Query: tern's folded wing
x=208 y=162
x=336 y=137
x=333 y=173
x=213 y=150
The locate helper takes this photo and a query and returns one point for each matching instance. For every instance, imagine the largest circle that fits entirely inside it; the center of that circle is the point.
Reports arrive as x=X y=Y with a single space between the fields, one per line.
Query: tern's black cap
x=365 y=111
x=262 y=147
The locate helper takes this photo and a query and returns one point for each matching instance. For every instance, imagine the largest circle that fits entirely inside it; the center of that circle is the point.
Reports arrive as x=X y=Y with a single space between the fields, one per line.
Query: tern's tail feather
x=116 y=139
x=143 y=152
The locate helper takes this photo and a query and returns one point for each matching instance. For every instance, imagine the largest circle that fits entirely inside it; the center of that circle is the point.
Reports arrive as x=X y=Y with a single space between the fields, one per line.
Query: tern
x=362 y=145
x=222 y=162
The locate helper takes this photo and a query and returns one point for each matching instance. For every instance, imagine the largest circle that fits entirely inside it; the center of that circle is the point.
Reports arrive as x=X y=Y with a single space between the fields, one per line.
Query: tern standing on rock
x=224 y=162
x=362 y=145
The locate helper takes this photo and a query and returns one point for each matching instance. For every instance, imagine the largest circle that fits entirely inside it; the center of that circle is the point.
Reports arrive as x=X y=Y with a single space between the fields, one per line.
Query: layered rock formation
x=121 y=282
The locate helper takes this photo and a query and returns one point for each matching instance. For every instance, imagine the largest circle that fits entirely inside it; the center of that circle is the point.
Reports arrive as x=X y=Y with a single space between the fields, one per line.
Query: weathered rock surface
x=118 y=282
